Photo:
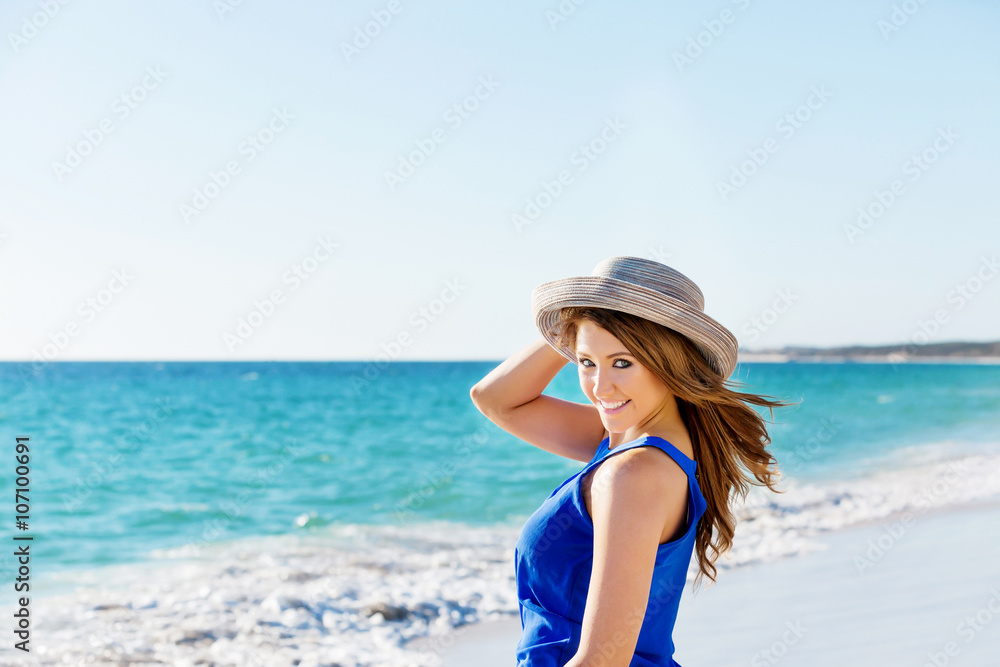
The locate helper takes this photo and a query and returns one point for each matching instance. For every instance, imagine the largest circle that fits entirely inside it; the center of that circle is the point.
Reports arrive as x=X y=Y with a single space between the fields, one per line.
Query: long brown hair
x=729 y=438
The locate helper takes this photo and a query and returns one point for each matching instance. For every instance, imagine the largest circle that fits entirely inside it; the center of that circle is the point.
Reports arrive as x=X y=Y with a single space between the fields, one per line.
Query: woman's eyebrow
x=614 y=354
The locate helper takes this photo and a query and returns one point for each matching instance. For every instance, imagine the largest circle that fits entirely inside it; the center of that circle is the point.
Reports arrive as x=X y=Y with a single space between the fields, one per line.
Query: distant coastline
x=944 y=353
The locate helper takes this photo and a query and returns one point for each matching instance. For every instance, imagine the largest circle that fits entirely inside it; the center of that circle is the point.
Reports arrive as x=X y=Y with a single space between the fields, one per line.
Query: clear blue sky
x=153 y=98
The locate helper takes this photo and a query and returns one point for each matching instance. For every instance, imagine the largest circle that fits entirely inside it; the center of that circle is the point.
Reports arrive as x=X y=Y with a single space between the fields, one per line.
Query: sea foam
x=358 y=595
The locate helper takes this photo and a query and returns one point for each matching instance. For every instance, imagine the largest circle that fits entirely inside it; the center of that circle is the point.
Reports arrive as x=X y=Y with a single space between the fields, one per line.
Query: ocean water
x=259 y=513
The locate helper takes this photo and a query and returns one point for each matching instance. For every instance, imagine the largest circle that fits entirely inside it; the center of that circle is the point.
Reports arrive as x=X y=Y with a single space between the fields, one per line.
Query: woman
x=601 y=565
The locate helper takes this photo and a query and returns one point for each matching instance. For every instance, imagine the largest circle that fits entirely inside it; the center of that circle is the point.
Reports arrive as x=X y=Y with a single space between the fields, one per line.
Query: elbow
x=484 y=402
x=476 y=394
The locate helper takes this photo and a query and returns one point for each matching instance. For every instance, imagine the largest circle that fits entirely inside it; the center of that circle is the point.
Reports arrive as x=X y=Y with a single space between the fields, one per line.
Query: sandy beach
x=905 y=591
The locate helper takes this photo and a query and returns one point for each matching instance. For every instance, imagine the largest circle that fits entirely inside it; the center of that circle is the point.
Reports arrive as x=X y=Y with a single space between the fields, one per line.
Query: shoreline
x=265 y=593
x=892 y=592
x=873 y=359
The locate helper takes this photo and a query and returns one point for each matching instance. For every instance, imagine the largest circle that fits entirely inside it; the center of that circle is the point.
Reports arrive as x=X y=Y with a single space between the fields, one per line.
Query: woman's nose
x=603 y=386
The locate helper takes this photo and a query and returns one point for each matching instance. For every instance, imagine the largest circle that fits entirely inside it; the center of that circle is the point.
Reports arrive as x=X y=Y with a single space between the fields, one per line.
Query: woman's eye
x=626 y=362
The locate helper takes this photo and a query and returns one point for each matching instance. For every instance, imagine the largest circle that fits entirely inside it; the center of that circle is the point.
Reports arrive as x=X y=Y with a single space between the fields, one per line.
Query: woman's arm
x=511 y=397
x=632 y=500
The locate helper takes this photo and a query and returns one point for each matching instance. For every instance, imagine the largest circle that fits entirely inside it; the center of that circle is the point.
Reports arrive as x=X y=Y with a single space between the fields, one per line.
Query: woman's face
x=610 y=375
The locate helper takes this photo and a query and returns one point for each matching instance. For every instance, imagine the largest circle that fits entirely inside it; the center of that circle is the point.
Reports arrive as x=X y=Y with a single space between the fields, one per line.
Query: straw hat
x=641 y=287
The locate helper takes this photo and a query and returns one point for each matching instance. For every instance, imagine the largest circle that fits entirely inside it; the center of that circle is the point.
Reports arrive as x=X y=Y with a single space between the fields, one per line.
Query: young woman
x=602 y=563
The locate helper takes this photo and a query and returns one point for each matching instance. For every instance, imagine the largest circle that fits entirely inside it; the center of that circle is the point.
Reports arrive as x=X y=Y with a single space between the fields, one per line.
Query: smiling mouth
x=612 y=411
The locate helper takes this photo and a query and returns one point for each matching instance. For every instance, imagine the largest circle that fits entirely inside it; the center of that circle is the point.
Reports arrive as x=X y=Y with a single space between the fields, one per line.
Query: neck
x=665 y=423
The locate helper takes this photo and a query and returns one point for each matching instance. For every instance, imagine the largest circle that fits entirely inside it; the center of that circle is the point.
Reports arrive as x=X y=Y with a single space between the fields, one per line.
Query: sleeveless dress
x=553 y=559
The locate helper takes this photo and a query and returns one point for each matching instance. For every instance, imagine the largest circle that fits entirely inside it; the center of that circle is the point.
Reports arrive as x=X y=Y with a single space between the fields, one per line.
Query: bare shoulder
x=641 y=468
x=641 y=479
x=642 y=491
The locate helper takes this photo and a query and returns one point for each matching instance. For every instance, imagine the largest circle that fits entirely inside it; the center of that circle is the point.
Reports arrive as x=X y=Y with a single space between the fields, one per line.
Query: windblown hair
x=729 y=437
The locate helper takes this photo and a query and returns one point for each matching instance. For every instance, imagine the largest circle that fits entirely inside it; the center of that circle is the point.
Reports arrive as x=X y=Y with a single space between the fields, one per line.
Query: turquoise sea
x=148 y=467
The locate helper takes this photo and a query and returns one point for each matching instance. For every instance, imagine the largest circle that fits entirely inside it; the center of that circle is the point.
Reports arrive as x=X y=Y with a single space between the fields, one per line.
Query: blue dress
x=553 y=559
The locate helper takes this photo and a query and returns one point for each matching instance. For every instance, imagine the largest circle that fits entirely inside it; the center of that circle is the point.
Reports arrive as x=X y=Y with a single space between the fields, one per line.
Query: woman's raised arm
x=511 y=397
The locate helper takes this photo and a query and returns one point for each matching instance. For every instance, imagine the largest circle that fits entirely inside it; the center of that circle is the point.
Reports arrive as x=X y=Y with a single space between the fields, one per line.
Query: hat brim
x=716 y=343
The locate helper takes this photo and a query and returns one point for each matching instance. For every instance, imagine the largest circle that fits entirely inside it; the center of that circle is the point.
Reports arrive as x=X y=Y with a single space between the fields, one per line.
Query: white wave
x=355 y=596
x=358 y=595
x=774 y=525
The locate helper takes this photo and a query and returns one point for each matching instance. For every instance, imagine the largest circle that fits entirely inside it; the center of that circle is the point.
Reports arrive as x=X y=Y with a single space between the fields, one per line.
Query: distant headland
x=953 y=352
